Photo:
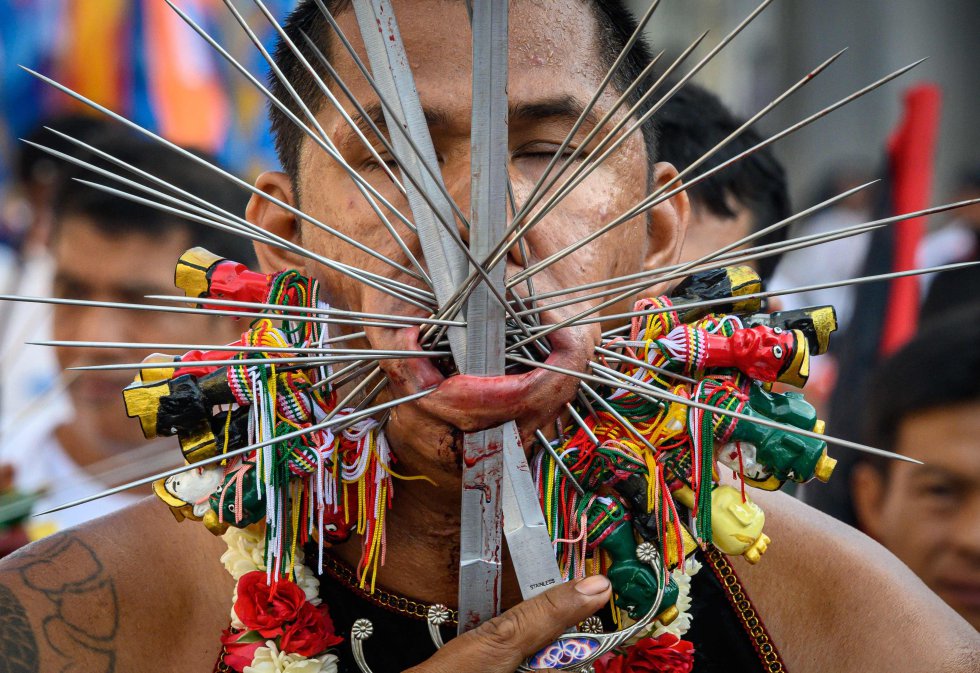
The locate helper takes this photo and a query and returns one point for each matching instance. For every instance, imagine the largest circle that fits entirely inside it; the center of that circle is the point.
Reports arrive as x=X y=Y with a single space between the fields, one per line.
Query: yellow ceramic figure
x=736 y=526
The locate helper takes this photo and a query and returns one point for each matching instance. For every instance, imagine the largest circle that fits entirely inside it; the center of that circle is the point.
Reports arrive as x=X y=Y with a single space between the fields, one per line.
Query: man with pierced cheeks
x=831 y=598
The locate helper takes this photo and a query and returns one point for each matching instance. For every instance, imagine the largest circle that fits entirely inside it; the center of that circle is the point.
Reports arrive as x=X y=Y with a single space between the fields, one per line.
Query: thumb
x=499 y=645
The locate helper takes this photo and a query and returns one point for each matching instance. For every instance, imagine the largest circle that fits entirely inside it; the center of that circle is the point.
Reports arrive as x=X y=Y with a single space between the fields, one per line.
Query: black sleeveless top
x=728 y=636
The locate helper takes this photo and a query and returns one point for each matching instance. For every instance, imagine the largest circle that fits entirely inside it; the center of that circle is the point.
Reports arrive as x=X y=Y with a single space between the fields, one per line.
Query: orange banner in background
x=184 y=85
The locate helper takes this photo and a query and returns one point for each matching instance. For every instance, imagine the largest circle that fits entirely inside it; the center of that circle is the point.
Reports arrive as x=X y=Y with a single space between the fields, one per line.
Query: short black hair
x=34 y=165
x=939 y=367
x=616 y=25
x=119 y=216
x=692 y=122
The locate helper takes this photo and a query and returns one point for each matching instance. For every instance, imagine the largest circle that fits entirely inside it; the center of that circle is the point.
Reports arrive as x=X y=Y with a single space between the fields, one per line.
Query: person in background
x=29 y=374
x=925 y=404
x=836 y=260
x=958 y=241
x=745 y=197
x=108 y=249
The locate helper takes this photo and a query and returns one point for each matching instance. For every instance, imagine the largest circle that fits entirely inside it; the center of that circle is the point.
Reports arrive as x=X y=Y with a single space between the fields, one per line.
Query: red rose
x=666 y=654
x=265 y=609
x=610 y=663
x=237 y=654
x=311 y=633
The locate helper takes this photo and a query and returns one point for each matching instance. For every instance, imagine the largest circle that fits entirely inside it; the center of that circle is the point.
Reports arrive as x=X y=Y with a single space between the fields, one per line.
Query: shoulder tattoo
x=79 y=604
x=18 y=648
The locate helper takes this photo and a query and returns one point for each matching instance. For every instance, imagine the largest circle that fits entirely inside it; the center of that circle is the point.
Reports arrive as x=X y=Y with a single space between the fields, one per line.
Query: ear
x=867 y=494
x=668 y=220
x=276 y=220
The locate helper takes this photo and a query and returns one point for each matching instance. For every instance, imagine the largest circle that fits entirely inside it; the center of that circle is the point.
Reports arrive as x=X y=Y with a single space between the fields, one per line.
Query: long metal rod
x=250 y=362
x=582 y=319
x=209 y=214
x=570 y=183
x=647 y=391
x=587 y=110
x=194 y=311
x=332 y=422
x=519 y=226
x=754 y=253
x=324 y=89
x=187 y=200
x=682 y=269
x=394 y=318
x=515 y=232
x=643 y=364
x=389 y=109
x=389 y=286
x=579 y=317
x=137 y=345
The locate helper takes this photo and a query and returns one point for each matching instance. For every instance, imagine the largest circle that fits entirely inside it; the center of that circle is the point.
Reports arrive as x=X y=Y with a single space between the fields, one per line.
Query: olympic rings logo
x=564 y=653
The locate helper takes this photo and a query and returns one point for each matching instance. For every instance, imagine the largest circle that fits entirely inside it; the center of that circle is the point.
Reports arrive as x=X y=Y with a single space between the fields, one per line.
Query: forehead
x=945 y=438
x=125 y=257
x=553 y=50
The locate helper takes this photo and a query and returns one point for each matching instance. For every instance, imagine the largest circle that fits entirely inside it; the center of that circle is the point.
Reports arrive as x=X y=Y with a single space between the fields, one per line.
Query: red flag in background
x=911 y=156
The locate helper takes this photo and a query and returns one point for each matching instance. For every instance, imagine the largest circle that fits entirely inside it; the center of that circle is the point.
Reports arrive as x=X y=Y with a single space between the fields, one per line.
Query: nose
x=517 y=250
x=101 y=325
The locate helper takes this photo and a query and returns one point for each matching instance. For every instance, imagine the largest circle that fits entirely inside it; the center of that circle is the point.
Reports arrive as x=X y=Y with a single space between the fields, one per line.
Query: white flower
x=236 y=623
x=246 y=550
x=306 y=580
x=271 y=660
x=682 y=622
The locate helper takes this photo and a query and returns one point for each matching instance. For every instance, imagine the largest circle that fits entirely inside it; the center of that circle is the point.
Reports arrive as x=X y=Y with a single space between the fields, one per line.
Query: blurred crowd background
x=903 y=372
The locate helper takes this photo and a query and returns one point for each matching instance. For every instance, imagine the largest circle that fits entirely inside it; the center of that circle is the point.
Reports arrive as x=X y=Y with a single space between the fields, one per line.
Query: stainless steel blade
x=481 y=516
x=530 y=546
x=393 y=76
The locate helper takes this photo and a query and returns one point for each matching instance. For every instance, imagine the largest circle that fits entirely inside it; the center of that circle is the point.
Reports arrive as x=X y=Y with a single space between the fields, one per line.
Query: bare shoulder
x=115 y=594
x=834 y=599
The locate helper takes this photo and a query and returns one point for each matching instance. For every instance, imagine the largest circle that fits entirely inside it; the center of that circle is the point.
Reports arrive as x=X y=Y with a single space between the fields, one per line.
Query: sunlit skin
x=929 y=516
x=548 y=69
x=93 y=264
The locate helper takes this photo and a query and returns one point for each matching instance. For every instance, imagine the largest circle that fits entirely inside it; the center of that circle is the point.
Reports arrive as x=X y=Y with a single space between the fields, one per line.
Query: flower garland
x=278 y=628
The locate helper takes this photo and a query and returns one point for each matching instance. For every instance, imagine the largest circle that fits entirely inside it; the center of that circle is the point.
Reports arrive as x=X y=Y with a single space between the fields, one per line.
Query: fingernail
x=592 y=586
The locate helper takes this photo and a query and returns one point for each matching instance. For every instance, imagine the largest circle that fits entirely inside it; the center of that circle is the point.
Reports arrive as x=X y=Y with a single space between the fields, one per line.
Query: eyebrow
x=559 y=107
x=934 y=471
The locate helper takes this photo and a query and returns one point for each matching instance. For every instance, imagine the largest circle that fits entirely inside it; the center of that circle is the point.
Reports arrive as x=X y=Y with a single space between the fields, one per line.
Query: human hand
x=501 y=644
